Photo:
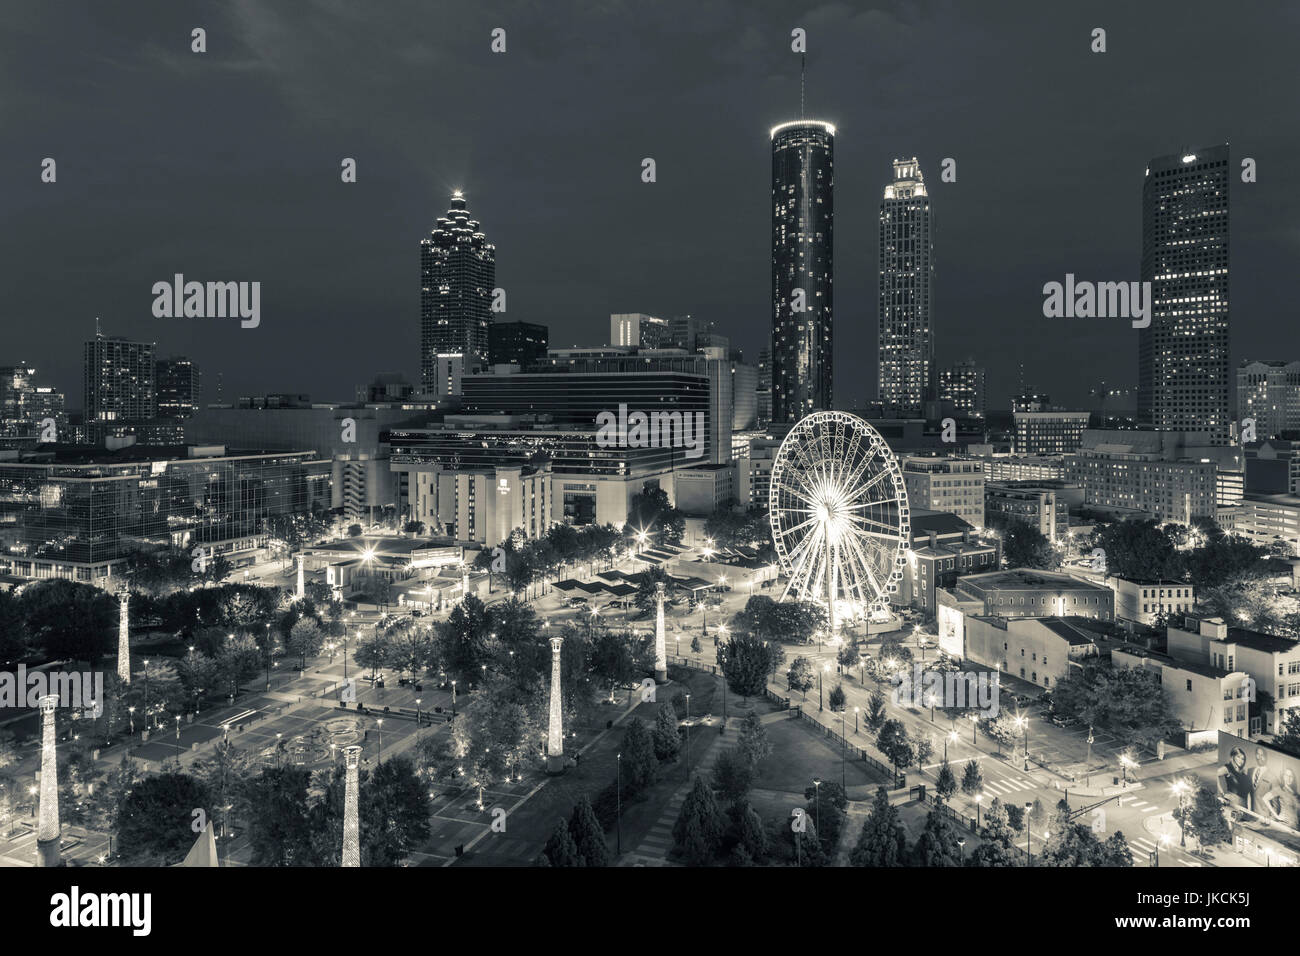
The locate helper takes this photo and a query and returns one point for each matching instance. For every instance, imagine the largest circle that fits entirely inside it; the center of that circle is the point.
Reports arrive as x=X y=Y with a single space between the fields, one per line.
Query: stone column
x=123 y=635
x=351 y=828
x=464 y=585
x=555 y=736
x=661 y=642
x=47 y=823
x=302 y=589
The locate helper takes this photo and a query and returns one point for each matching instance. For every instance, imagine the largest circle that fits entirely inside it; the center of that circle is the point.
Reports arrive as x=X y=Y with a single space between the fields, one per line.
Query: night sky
x=225 y=166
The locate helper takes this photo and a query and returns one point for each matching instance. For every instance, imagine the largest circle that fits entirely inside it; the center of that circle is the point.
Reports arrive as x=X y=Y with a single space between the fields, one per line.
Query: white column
x=464 y=585
x=351 y=828
x=123 y=636
x=302 y=590
x=47 y=823
x=661 y=643
x=555 y=736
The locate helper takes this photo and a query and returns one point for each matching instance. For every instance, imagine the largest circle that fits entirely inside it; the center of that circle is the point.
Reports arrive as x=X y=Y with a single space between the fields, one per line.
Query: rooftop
x=1026 y=579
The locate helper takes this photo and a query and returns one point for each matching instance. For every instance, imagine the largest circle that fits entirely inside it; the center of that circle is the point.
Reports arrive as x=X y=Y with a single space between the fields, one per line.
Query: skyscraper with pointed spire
x=457 y=276
x=905 y=350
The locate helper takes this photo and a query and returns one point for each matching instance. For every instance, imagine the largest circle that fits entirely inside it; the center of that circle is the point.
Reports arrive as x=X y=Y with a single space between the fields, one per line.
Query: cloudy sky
x=225 y=166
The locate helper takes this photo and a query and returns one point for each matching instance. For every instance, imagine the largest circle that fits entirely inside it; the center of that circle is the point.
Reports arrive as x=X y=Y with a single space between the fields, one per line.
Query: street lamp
x=131 y=711
x=817 y=804
x=453 y=700
x=979 y=798
x=974 y=725
x=950 y=739
x=1029 y=834
x=380 y=724
x=688 y=736
x=1180 y=788
x=855 y=719
x=961 y=850
x=618 y=798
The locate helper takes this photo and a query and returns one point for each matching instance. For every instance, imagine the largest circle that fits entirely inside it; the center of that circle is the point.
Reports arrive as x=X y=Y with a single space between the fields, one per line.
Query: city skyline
x=1090 y=228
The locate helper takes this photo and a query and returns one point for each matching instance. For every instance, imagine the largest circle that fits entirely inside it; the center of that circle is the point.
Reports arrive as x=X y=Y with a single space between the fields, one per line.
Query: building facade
x=119 y=383
x=517 y=343
x=1268 y=393
x=1049 y=432
x=638 y=330
x=179 y=392
x=906 y=323
x=963 y=385
x=457 y=277
x=1031 y=503
x=954 y=485
x=1183 y=372
x=803 y=213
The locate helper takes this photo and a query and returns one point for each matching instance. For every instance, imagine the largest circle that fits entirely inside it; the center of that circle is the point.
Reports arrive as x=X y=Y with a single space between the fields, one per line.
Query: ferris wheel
x=839 y=515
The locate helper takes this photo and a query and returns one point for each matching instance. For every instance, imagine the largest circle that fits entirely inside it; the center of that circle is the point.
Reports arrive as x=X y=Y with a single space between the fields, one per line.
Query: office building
x=906 y=304
x=1273 y=467
x=119 y=382
x=1150 y=602
x=457 y=277
x=803 y=179
x=954 y=485
x=962 y=385
x=1041 y=507
x=1048 y=432
x=1268 y=393
x=1159 y=474
x=517 y=343
x=1040 y=650
x=943 y=547
x=638 y=330
x=1183 y=373
x=79 y=516
x=25 y=406
x=1204 y=698
x=177 y=381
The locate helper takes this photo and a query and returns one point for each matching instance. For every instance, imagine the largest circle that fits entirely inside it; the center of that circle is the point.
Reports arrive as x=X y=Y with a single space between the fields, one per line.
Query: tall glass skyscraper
x=906 y=335
x=457 y=273
x=1183 y=355
x=803 y=212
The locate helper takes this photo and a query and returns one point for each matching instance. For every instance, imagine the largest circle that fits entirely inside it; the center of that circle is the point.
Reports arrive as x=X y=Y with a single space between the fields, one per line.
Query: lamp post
x=380 y=724
x=844 y=756
x=979 y=798
x=817 y=804
x=1180 y=788
x=1029 y=834
x=974 y=726
x=453 y=700
x=688 y=736
x=178 y=738
x=961 y=851
x=855 y=719
x=950 y=739
x=1087 y=764
x=618 y=798
x=1023 y=725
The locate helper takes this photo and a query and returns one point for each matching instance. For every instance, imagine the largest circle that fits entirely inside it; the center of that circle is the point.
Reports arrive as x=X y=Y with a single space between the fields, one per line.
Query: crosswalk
x=1005 y=786
x=1147 y=847
x=1137 y=803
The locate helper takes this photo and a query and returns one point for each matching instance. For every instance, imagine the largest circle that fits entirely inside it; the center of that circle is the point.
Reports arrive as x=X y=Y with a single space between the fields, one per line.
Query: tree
x=1287 y=737
x=279 y=824
x=924 y=747
x=649 y=511
x=883 y=841
x=354 y=531
x=801 y=676
x=746 y=664
x=13 y=628
x=945 y=784
x=647 y=588
x=305 y=639
x=836 y=698
x=972 y=778
x=733 y=775
x=1204 y=818
x=154 y=821
x=393 y=809
x=68 y=620
x=697 y=834
x=375 y=652
x=875 y=714
x=560 y=850
x=937 y=844
x=588 y=837
x=666 y=738
x=753 y=742
x=1116 y=851
x=640 y=767
x=415 y=528
x=1138 y=548
x=238 y=660
x=1068 y=844
x=893 y=742
x=1129 y=702
x=1024 y=546
x=997 y=839
x=745 y=835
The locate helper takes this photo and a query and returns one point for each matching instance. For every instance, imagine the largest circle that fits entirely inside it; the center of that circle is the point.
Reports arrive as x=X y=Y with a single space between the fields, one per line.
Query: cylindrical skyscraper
x=803 y=212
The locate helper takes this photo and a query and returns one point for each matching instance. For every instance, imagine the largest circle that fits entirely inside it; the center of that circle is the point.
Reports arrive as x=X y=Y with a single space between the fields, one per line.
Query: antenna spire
x=803 y=68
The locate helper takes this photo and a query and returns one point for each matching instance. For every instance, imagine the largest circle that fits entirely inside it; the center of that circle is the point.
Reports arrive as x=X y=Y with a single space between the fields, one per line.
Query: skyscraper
x=803 y=179
x=457 y=274
x=963 y=385
x=178 y=387
x=119 y=380
x=517 y=343
x=1183 y=355
x=906 y=334
x=639 y=330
